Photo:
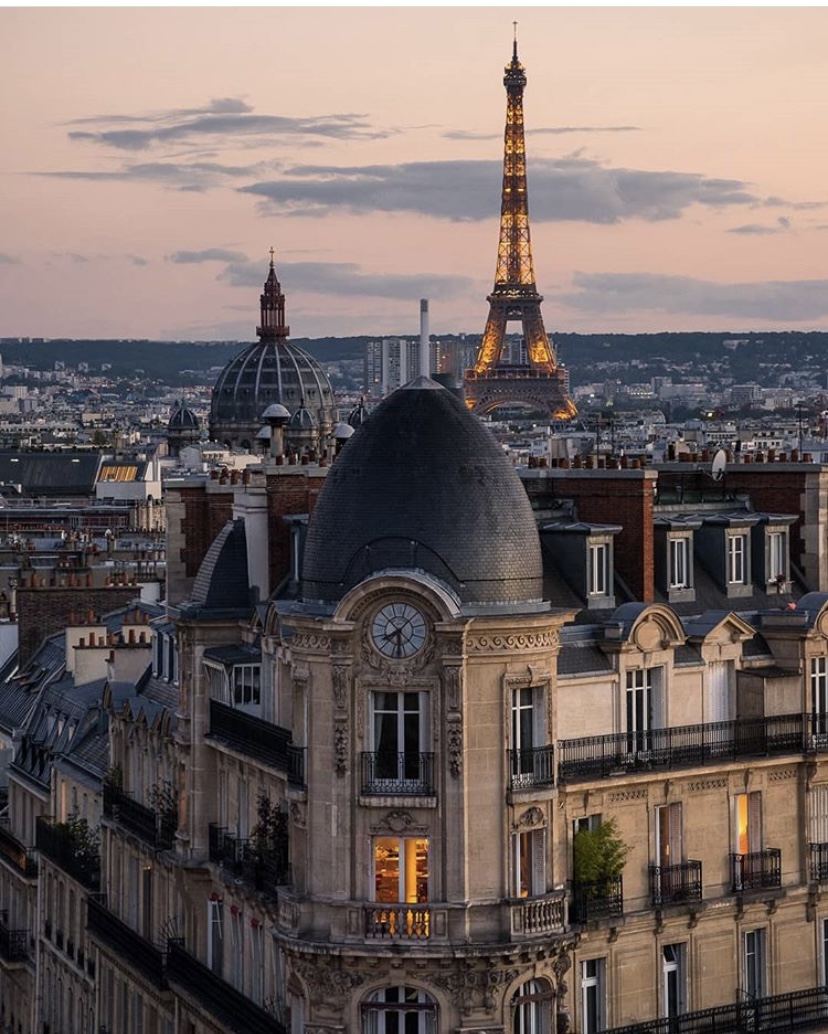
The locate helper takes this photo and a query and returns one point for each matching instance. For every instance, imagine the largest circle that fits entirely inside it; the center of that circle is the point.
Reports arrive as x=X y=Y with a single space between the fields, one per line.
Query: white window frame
x=737 y=562
x=679 y=562
x=246 y=685
x=643 y=707
x=777 y=554
x=754 y=962
x=593 y=995
x=390 y=728
x=378 y=1009
x=674 y=968
x=818 y=677
x=532 y=1004
x=598 y=554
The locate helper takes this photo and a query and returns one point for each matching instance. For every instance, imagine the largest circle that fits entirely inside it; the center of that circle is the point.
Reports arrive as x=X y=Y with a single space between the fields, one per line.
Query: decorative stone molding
x=326 y=980
x=454 y=744
x=453 y=681
x=313 y=642
x=297 y=814
x=700 y=785
x=398 y=821
x=315 y=1028
x=782 y=775
x=560 y=967
x=475 y=987
x=341 y=746
x=512 y=642
x=340 y=682
x=628 y=795
x=529 y=819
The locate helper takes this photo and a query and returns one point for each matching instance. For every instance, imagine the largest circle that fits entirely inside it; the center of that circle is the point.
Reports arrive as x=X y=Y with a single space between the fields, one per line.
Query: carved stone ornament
x=297 y=814
x=560 y=967
x=311 y=641
x=454 y=746
x=398 y=821
x=453 y=683
x=326 y=981
x=340 y=678
x=315 y=1028
x=341 y=746
x=515 y=641
x=477 y=986
x=529 y=819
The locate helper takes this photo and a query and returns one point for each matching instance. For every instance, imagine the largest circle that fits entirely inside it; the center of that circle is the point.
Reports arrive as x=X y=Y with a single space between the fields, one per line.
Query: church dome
x=183 y=419
x=268 y=372
x=423 y=485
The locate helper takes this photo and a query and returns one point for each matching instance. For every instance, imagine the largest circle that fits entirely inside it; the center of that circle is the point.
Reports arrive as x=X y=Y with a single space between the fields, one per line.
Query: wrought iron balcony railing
x=124 y=942
x=594 y=757
x=63 y=848
x=14 y=944
x=819 y=862
x=675 y=884
x=389 y=772
x=401 y=922
x=258 y=739
x=594 y=901
x=154 y=828
x=530 y=767
x=264 y=867
x=230 y=1007
x=16 y=854
x=779 y=1014
x=536 y=917
x=758 y=870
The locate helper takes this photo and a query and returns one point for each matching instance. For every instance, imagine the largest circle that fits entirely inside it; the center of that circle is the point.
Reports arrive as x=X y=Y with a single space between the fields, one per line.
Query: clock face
x=399 y=630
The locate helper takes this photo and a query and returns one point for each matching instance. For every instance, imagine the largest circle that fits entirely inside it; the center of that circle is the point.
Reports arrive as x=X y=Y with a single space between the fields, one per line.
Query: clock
x=398 y=630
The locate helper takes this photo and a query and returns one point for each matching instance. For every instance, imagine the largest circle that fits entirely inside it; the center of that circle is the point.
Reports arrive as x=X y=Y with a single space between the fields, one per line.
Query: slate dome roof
x=183 y=419
x=424 y=485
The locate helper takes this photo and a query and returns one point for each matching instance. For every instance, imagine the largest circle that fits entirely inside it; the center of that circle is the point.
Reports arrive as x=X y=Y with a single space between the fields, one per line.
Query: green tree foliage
x=600 y=853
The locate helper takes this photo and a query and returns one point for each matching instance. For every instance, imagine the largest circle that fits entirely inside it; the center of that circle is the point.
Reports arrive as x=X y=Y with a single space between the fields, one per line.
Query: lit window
x=529 y=863
x=401 y=869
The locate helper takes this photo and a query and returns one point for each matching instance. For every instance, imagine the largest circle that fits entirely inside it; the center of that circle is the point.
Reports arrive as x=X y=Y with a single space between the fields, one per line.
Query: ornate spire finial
x=514 y=46
x=271 y=247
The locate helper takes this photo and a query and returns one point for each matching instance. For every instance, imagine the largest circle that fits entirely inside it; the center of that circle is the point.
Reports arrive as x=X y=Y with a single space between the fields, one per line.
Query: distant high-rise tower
x=497 y=377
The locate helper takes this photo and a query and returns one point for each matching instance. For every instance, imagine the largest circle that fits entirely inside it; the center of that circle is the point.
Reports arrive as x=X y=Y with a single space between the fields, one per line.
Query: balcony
x=257 y=739
x=819 y=862
x=541 y=916
x=61 y=846
x=230 y=1007
x=154 y=829
x=759 y=870
x=397 y=774
x=531 y=767
x=13 y=852
x=591 y=902
x=14 y=944
x=780 y=1014
x=263 y=868
x=595 y=757
x=124 y=942
x=398 y=922
x=675 y=884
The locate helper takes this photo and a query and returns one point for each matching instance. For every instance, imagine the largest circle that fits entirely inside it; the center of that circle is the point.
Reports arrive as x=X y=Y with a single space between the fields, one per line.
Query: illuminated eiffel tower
x=497 y=379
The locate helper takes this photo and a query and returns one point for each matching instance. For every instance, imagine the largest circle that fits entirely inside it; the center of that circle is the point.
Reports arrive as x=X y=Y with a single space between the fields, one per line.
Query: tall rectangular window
x=737 y=559
x=257 y=962
x=593 y=993
x=643 y=707
x=529 y=863
x=598 y=569
x=777 y=546
x=748 y=822
x=679 y=564
x=215 y=936
x=247 y=685
x=754 y=963
x=401 y=869
x=825 y=952
x=237 y=948
x=673 y=963
x=819 y=695
x=528 y=734
x=399 y=730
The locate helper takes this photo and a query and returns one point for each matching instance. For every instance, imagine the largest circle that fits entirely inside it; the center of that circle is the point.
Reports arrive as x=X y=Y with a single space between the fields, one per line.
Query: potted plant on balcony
x=269 y=843
x=599 y=857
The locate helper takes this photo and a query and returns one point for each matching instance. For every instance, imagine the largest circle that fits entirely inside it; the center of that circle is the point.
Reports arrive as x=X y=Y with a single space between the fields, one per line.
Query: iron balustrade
x=530 y=767
x=264 y=868
x=16 y=854
x=154 y=828
x=819 y=862
x=398 y=773
x=124 y=942
x=595 y=757
x=603 y=899
x=777 y=1014
x=675 y=884
x=63 y=848
x=258 y=739
x=232 y=1008
x=14 y=944
x=398 y=922
x=757 y=870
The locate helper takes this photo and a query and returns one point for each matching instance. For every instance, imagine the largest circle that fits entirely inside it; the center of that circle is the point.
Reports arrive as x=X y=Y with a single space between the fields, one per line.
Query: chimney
x=425 y=351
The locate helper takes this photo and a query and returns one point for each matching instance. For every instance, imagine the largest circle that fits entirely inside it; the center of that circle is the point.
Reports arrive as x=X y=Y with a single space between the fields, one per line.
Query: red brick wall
x=292 y=493
x=44 y=610
x=205 y=514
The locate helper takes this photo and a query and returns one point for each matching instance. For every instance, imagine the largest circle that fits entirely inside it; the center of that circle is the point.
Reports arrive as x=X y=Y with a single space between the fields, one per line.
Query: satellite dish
x=719 y=464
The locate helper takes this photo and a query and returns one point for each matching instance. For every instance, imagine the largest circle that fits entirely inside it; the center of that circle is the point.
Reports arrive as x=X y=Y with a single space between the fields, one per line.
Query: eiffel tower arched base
x=542 y=391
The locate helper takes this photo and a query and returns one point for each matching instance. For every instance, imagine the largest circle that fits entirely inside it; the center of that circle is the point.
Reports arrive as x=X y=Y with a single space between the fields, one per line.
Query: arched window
x=532 y=1006
x=399 y=1010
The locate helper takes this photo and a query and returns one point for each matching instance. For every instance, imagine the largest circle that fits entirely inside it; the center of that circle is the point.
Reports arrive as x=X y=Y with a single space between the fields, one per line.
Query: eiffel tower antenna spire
x=494 y=380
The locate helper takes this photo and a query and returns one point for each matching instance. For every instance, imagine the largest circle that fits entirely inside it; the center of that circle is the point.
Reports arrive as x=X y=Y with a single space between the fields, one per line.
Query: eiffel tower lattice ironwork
x=535 y=379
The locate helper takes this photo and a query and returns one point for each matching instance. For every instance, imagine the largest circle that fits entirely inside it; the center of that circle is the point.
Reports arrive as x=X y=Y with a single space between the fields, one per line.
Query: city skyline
x=675 y=168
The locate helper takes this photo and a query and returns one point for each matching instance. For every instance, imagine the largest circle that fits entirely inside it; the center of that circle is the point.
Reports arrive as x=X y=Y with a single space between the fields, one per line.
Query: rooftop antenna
x=719 y=463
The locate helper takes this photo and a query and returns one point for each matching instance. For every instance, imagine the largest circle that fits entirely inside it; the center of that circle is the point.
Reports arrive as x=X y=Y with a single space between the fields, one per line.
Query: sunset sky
x=677 y=157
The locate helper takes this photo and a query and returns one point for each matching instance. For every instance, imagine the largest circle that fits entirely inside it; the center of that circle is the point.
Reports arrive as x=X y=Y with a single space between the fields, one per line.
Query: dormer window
x=679 y=561
x=737 y=559
x=777 y=554
x=598 y=569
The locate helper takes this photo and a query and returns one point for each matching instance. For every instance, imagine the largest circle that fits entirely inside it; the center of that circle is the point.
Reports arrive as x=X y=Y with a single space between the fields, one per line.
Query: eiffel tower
x=495 y=379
